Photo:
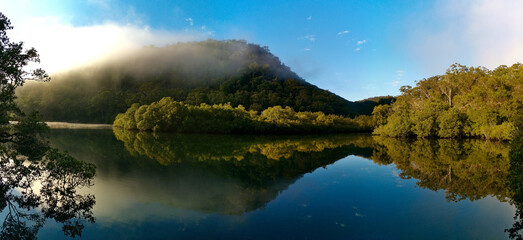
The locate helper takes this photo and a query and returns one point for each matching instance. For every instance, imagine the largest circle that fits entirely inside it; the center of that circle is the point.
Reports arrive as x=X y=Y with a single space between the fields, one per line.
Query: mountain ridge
x=211 y=71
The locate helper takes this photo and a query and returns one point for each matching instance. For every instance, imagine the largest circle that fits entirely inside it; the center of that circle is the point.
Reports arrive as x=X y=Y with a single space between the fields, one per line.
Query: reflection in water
x=466 y=169
x=233 y=175
x=516 y=186
x=254 y=160
x=208 y=173
x=39 y=183
x=168 y=149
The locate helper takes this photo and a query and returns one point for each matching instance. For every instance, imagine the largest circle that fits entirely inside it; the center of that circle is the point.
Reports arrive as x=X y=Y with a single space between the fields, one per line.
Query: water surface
x=290 y=187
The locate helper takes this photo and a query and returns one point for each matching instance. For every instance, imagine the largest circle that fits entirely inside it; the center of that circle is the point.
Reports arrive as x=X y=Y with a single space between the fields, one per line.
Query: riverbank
x=66 y=125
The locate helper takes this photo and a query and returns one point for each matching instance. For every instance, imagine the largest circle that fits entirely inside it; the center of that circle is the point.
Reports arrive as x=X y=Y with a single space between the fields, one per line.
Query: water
x=303 y=187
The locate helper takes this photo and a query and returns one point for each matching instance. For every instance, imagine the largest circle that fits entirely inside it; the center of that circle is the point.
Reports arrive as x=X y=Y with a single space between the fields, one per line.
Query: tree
x=381 y=113
x=449 y=82
x=13 y=60
x=464 y=102
x=27 y=160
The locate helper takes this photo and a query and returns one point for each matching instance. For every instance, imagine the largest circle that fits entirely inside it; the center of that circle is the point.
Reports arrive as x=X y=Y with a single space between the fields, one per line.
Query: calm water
x=331 y=187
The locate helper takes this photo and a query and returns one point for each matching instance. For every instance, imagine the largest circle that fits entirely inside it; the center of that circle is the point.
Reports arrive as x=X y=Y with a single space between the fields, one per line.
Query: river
x=158 y=186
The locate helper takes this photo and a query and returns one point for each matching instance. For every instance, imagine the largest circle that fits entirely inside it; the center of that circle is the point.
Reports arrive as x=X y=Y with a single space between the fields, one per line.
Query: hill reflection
x=208 y=173
x=233 y=175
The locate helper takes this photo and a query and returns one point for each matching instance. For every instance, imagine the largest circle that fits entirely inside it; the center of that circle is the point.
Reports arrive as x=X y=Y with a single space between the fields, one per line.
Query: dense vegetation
x=168 y=115
x=464 y=102
x=212 y=72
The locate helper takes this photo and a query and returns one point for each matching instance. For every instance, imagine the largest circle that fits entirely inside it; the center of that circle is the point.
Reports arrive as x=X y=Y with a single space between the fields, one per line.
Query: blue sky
x=356 y=49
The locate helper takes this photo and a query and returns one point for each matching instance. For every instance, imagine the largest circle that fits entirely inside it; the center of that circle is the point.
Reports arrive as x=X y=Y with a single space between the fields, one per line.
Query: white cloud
x=396 y=83
x=309 y=37
x=309 y=18
x=343 y=32
x=62 y=45
x=362 y=42
x=472 y=32
x=312 y=38
x=307 y=49
x=399 y=78
x=357 y=49
x=190 y=20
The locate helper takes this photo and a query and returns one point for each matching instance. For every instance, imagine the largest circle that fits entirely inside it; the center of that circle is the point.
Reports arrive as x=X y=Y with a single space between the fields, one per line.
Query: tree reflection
x=207 y=173
x=238 y=174
x=466 y=169
x=39 y=182
x=171 y=148
x=255 y=160
x=516 y=186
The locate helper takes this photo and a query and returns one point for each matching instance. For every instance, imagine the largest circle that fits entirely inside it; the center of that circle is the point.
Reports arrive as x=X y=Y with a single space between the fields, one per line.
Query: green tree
x=451 y=124
x=13 y=73
x=27 y=160
x=464 y=102
x=381 y=113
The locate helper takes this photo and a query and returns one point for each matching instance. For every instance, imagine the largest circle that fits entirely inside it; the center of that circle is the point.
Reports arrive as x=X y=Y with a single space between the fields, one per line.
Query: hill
x=212 y=72
x=366 y=106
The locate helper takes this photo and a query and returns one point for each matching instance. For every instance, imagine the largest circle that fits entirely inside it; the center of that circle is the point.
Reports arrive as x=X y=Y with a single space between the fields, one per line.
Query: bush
x=398 y=125
x=505 y=131
x=450 y=124
x=168 y=115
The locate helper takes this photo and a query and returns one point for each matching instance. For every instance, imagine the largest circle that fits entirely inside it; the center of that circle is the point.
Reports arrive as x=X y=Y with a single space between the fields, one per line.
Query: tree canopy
x=464 y=102
x=168 y=115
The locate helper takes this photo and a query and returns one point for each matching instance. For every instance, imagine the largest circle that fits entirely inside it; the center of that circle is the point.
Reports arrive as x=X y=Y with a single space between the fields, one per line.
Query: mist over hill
x=210 y=72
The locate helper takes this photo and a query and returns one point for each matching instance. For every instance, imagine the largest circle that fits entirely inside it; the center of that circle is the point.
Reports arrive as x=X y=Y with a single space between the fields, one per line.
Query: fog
x=110 y=85
x=185 y=64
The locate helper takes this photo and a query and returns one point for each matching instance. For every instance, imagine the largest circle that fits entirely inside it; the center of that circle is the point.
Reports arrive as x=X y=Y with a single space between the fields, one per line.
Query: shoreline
x=66 y=125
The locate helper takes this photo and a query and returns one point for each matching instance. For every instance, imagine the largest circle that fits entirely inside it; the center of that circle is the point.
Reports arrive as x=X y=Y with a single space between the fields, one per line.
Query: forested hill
x=211 y=72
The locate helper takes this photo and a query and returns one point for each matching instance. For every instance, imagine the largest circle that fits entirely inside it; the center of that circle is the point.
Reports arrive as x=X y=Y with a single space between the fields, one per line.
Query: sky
x=356 y=49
